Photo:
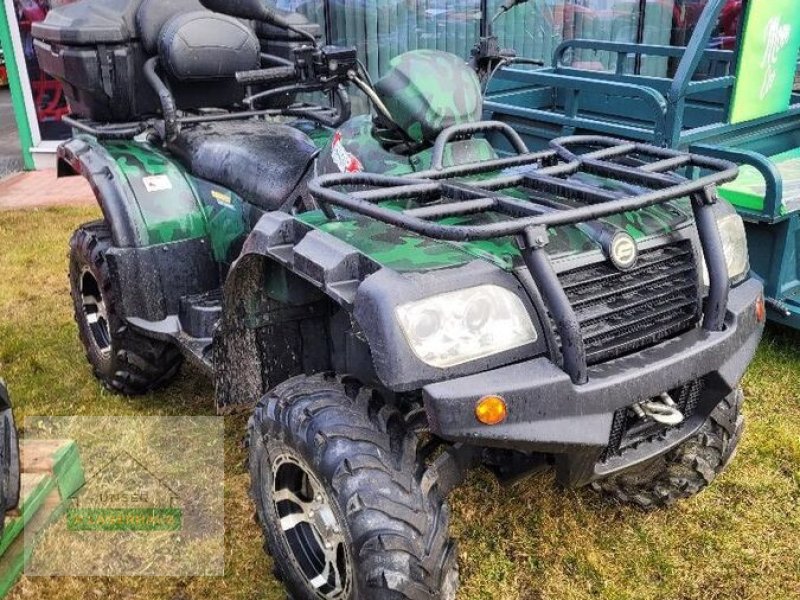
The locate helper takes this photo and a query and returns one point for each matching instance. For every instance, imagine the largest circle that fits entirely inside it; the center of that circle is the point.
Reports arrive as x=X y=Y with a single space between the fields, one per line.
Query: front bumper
x=547 y=413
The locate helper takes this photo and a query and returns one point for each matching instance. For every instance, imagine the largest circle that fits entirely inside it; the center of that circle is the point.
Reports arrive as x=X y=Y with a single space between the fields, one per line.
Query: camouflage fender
x=148 y=199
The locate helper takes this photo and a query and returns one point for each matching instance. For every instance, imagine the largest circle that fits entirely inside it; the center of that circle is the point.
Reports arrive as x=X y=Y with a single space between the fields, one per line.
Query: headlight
x=459 y=327
x=734 y=245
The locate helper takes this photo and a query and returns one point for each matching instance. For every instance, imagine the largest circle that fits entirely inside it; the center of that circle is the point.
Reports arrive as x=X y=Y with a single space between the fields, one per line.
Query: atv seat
x=261 y=162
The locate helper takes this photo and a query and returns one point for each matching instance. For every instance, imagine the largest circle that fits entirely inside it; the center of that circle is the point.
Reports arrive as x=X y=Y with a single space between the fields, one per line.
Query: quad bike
x=399 y=298
x=9 y=457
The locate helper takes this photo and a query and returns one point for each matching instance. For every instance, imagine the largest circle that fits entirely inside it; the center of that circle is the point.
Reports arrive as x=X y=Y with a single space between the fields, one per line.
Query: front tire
x=339 y=494
x=688 y=469
x=124 y=361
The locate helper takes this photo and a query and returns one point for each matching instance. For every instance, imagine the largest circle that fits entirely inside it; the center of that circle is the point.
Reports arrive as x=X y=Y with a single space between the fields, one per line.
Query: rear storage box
x=92 y=48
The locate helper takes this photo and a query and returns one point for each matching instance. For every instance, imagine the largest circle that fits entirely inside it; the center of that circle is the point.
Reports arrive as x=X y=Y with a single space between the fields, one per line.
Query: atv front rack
x=462 y=191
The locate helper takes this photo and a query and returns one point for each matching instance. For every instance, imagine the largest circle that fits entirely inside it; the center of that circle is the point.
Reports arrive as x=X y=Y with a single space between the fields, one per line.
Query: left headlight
x=459 y=327
x=734 y=244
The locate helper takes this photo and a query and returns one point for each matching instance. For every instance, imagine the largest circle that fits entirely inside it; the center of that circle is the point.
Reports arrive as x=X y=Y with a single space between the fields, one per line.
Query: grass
x=739 y=539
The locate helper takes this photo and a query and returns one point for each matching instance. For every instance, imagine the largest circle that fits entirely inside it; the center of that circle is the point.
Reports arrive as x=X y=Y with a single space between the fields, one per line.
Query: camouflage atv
x=400 y=299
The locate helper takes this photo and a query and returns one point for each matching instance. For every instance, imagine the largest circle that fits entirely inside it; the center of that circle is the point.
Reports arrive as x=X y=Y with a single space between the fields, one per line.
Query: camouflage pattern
x=175 y=206
x=355 y=138
x=389 y=246
x=165 y=199
x=427 y=91
x=398 y=249
x=227 y=217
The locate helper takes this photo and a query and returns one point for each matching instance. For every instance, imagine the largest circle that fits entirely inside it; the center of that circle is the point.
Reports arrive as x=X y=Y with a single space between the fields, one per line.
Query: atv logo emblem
x=346 y=161
x=624 y=252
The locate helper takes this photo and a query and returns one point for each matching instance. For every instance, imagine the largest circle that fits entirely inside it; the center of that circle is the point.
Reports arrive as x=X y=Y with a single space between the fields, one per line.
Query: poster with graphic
x=767 y=60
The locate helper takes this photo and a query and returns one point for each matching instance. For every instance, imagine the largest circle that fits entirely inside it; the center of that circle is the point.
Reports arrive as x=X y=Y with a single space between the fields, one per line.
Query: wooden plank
x=51 y=474
x=38 y=456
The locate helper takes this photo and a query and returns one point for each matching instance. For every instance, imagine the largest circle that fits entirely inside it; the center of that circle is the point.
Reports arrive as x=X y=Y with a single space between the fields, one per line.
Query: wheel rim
x=95 y=313
x=311 y=529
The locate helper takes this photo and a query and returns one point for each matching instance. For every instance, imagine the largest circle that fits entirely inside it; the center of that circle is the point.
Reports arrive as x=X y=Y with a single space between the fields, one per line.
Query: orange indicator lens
x=491 y=410
x=761 y=310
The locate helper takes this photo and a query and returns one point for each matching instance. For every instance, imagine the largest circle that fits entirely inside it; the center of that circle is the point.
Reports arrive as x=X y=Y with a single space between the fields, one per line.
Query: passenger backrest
x=200 y=51
x=202 y=45
x=153 y=15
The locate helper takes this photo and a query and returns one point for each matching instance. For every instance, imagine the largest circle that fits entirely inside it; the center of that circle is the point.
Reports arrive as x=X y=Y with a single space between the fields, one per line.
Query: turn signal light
x=491 y=410
x=761 y=310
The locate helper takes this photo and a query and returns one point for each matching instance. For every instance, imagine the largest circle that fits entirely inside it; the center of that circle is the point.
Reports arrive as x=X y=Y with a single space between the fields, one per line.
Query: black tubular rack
x=663 y=174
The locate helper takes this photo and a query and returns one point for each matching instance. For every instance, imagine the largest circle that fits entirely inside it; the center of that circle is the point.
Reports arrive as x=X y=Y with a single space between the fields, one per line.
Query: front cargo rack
x=571 y=170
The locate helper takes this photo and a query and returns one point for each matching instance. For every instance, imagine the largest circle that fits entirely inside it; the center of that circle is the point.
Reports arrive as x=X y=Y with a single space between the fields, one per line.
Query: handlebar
x=271 y=75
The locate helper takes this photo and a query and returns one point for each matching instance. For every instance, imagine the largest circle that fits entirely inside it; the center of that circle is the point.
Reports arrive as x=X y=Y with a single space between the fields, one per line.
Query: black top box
x=92 y=47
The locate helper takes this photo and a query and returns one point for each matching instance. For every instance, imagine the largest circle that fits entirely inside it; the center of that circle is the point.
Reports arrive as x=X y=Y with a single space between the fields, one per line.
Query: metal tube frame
x=444 y=193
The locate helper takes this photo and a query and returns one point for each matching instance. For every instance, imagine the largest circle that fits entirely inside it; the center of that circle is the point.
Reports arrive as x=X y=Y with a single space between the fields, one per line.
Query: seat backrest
x=200 y=51
x=201 y=45
x=153 y=15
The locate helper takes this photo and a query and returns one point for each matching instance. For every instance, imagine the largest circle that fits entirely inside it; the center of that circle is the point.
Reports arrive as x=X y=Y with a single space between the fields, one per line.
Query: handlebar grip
x=271 y=75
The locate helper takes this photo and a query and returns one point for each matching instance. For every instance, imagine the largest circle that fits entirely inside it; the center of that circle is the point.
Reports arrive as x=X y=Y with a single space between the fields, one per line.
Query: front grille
x=621 y=312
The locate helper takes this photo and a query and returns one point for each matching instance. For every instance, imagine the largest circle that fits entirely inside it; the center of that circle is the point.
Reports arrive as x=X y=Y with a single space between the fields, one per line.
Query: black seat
x=200 y=51
x=261 y=162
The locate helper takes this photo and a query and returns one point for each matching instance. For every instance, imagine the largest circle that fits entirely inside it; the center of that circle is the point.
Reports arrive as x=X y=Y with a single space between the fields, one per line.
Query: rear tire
x=688 y=469
x=124 y=361
x=337 y=453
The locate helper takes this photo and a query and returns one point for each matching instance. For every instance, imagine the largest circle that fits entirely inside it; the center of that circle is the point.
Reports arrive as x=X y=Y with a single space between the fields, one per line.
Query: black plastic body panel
x=550 y=414
x=90 y=22
x=398 y=368
x=102 y=82
x=153 y=280
x=92 y=47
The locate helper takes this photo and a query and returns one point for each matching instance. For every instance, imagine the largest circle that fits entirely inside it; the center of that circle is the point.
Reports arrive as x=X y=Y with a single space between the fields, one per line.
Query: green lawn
x=740 y=539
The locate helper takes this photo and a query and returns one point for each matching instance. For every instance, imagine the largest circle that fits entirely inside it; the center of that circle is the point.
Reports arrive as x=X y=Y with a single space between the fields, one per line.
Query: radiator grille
x=621 y=312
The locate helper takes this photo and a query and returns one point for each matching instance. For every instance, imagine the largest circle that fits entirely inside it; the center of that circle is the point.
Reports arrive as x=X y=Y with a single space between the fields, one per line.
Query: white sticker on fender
x=157 y=183
x=346 y=161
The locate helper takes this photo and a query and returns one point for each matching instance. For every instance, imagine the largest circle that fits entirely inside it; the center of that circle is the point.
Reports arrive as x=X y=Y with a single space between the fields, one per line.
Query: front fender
x=145 y=196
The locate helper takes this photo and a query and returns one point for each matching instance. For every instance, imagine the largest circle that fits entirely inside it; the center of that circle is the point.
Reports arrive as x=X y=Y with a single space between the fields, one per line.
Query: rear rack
x=443 y=193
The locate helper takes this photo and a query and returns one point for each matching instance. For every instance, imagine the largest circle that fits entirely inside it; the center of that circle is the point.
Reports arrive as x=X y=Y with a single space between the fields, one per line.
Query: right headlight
x=734 y=245
x=458 y=327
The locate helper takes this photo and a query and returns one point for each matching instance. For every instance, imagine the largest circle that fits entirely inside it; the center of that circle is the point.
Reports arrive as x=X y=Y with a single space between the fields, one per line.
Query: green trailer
x=722 y=97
